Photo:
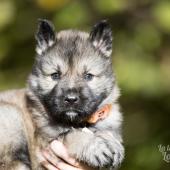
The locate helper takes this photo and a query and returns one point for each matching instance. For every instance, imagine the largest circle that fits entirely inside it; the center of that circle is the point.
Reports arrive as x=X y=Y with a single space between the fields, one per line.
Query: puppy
x=71 y=96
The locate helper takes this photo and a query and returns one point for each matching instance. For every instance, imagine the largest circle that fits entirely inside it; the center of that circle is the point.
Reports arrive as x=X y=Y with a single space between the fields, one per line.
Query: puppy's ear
x=45 y=35
x=101 y=38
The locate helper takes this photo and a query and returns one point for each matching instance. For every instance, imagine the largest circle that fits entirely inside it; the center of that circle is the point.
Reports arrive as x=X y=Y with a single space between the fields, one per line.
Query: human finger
x=48 y=166
x=60 y=150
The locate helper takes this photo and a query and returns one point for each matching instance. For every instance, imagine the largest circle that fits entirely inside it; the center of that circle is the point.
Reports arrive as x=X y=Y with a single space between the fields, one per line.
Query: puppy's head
x=72 y=74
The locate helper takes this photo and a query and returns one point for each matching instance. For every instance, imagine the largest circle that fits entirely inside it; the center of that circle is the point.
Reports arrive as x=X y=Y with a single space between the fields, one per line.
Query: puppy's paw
x=101 y=150
x=103 y=153
x=98 y=154
x=118 y=149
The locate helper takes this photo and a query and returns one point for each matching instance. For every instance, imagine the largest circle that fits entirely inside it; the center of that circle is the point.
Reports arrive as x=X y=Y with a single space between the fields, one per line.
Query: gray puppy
x=71 y=80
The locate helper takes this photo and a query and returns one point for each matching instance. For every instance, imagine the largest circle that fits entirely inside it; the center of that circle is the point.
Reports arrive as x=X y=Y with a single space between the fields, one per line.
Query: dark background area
x=141 y=59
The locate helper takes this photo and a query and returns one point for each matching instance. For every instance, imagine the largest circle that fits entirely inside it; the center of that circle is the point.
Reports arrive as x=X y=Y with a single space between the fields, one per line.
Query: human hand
x=56 y=157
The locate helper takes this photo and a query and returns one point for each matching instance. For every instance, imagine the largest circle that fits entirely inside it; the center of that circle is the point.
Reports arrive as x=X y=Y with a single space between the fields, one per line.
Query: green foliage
x=109 y=6
x=161 y=12
x=141 y=59
x=77 y=11
x=7 y=9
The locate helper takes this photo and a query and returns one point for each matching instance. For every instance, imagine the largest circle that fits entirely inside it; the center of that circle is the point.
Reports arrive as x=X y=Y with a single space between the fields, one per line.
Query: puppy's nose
x=71 y=99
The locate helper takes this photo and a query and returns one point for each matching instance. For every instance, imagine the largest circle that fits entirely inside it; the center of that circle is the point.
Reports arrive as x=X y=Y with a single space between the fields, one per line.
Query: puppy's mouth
x=77 y=115
x=73 y=112
x=72 y=115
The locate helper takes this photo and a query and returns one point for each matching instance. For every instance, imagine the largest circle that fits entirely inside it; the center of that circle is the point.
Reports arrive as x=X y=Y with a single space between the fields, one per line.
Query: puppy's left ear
x=45 y=35
x=101 y=38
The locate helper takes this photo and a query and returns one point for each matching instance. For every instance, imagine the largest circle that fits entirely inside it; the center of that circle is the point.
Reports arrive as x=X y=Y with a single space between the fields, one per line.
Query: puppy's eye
x=88 y=76
x=56 y=76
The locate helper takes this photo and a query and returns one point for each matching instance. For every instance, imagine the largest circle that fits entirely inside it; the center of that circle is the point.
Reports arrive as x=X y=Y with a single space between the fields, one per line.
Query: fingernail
x=45 y=163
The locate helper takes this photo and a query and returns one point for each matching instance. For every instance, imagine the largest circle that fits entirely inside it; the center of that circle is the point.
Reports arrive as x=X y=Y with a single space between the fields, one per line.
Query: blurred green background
x=141 y=59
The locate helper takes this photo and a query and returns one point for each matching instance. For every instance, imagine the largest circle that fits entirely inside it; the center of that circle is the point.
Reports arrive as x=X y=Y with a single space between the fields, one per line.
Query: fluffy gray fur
x=72 y=78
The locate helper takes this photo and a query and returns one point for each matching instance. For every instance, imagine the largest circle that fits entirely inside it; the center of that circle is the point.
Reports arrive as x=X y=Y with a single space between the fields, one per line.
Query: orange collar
x=100 y=114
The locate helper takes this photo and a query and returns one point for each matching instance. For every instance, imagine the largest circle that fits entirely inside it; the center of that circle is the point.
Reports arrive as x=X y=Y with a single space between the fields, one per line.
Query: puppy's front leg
x=99 y=149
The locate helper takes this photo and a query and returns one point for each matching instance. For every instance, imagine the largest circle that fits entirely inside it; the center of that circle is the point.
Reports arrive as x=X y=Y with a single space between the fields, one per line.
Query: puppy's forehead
x=71 y=43
x=67 y=34
x=73 y=50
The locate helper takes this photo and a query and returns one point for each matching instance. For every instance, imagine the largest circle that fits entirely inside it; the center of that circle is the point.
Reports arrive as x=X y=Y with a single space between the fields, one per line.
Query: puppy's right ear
x=45 y=35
